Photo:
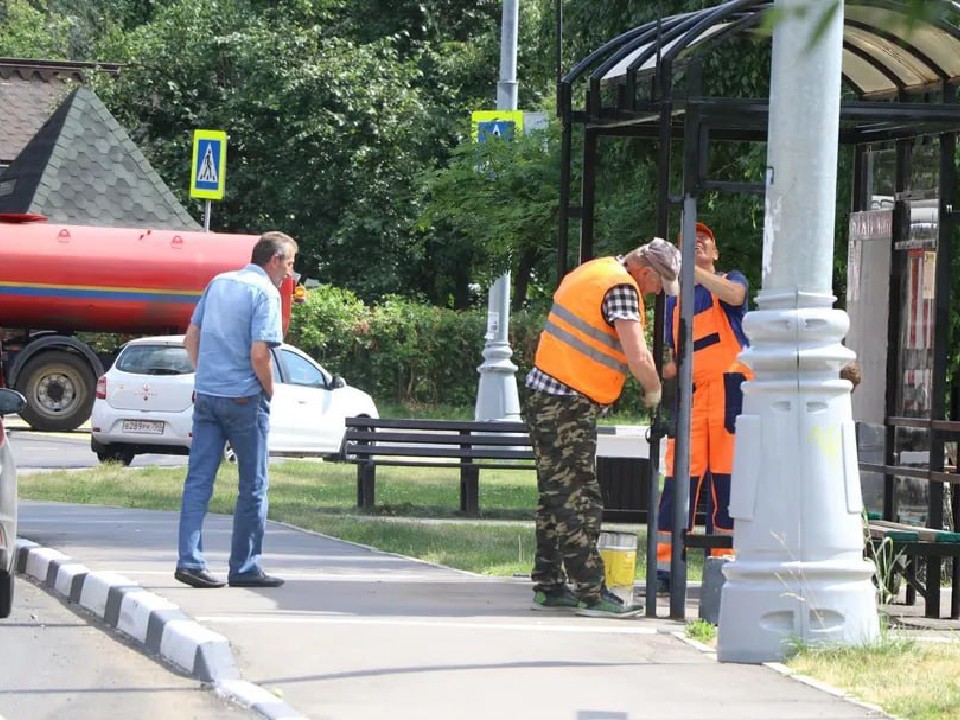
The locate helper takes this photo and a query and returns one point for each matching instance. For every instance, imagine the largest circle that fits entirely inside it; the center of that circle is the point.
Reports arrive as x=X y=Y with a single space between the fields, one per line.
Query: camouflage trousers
x=563 y=431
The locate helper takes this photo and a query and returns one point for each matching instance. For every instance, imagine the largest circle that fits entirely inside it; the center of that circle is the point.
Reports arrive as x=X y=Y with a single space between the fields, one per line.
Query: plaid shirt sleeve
x=622 y=302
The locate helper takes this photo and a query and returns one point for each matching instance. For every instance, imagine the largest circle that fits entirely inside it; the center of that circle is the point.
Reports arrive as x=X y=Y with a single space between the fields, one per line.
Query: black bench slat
x=357 y=437
x=464 y=425
x=400 y=462
x=478 y=453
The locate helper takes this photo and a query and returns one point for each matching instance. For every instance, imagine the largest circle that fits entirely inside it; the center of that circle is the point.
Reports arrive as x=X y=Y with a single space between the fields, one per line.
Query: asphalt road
x=54 y=665
x=63 y=451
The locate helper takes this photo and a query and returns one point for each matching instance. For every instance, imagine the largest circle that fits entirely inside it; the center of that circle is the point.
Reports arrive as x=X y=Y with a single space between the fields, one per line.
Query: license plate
x=147 y=427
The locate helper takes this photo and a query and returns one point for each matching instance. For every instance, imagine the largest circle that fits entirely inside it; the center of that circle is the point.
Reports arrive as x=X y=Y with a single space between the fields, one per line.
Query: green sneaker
x=557 y=600
x=609 y=606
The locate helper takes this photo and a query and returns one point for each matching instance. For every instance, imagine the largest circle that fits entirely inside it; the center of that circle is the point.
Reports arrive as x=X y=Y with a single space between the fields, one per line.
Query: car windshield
x=155 y=360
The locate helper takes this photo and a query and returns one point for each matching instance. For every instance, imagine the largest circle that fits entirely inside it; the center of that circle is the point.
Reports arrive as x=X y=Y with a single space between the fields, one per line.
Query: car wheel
x=6 y=593
x=119 y=455
x=229 y=454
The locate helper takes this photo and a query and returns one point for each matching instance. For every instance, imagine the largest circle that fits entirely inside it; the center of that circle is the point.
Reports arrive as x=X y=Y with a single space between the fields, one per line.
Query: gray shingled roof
x=82 y=167
x=28 y=95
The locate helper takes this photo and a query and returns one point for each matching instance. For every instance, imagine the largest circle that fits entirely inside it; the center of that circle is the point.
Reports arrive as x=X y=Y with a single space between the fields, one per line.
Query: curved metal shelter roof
x=886 y=56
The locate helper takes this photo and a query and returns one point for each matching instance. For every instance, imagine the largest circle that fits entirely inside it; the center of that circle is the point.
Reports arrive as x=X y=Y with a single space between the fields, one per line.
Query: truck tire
x=59 y=388
x=6 y=593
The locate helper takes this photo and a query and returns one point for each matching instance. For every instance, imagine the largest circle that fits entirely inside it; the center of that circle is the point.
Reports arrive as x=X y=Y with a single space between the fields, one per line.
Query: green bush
x=411 y=354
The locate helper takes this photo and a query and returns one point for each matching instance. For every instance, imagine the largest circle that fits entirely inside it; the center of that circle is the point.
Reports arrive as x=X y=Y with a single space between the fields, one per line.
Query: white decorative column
x=799 y=573
x=497 y=394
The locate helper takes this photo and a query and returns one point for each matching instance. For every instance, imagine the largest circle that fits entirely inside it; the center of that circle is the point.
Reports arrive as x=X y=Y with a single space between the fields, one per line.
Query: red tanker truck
x=60 y=280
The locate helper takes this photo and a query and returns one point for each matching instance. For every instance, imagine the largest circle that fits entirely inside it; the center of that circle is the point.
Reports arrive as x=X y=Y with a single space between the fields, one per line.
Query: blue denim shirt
x=236 y=309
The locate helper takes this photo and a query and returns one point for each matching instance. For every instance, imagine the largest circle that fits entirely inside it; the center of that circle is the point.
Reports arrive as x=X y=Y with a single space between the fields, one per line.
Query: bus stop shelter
x=899 y=117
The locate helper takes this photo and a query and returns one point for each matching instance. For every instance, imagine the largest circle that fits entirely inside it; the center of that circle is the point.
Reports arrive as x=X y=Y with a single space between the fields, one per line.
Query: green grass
x=416 y=511
x=405 y=411
x=408 y=411
x=912 y=680
x=701 y=630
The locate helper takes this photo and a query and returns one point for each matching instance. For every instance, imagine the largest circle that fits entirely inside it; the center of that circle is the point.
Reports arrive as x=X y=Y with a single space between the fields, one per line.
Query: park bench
x=467 y=445
x=906 y=549
x=474 y=445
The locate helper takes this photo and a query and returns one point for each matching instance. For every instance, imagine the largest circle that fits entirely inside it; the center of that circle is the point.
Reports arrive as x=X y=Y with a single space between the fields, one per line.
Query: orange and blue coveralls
x=717 y=400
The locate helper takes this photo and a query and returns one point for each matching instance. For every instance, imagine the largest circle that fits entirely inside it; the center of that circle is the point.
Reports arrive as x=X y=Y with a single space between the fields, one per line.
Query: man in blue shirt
x=233 y=328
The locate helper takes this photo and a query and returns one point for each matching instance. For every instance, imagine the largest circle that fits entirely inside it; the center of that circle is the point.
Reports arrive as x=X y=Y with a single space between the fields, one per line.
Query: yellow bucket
x=619 y=553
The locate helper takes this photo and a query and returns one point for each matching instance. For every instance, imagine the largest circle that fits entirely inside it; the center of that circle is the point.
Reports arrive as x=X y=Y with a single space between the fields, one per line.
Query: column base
x=767 y=608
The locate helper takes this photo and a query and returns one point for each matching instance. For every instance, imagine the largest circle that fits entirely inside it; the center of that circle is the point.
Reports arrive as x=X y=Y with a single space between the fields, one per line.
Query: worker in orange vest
x=720 y=303
x=592 y=341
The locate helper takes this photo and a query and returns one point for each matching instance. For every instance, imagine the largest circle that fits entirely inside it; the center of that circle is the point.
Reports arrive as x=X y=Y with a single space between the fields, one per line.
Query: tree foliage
x=347 y=128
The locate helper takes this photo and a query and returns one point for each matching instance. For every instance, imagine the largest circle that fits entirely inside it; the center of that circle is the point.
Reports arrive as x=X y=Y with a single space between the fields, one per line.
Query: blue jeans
x=245 y=422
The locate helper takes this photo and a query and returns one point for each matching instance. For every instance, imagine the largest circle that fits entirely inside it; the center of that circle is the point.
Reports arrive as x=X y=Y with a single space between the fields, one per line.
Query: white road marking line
x=621 y=627
x=325 y=577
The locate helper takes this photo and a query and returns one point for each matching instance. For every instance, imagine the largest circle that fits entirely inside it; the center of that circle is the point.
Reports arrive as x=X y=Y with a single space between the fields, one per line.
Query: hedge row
x=411 y=354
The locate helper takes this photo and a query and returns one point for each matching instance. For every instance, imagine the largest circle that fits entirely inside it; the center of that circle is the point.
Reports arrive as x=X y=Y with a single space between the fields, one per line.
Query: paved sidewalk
x=356 y=634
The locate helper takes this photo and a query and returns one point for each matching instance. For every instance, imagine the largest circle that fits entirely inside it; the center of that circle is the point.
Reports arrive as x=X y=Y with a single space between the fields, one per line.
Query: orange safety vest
x=577 y=346
x=715 y=345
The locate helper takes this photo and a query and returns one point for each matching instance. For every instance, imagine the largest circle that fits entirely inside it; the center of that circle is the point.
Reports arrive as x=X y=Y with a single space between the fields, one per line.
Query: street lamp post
x=799 y=572
x=497 y=397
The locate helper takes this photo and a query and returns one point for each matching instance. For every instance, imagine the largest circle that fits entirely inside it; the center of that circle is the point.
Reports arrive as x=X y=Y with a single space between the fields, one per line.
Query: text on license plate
x=149 y=427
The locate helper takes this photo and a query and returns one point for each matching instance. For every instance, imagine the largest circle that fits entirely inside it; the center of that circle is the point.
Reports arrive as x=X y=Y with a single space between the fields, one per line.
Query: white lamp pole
x=497 y=397
x=799 y=572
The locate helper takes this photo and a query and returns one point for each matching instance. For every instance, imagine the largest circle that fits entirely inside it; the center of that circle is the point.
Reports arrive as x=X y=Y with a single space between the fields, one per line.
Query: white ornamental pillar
x=799 y=572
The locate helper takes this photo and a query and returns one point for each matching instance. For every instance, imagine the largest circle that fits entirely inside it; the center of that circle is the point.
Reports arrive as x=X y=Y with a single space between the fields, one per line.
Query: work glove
x=651 y=398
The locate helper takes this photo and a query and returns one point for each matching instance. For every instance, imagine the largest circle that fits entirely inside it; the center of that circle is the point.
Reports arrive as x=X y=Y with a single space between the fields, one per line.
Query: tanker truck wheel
x=59 y=388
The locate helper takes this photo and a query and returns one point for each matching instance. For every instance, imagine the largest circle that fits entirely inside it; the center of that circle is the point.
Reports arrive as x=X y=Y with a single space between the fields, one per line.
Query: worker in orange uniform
x=720 y=303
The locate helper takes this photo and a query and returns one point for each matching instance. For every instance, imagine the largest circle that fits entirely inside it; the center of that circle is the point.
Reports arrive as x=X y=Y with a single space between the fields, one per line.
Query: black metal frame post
x=684 y=349
x=588 y=194
x=664 y=153
x=564 y=211
x=901 y=223
x=943 y=279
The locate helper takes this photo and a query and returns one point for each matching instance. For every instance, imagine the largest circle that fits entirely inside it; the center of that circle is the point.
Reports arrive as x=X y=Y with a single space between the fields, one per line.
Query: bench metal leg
x=470 y=490
x=911 y=576
x=932 y=607
x=954 y=588
x=366 y=481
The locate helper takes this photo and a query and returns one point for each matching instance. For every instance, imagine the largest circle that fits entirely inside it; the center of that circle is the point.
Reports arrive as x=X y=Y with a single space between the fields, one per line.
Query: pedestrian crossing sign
x=208 y=168
x=501 y=124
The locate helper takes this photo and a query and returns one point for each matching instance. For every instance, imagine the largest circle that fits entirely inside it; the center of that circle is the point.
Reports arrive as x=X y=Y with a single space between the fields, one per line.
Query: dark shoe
x=197 y=577
x=560 y=599
x=257 y=579
x=608 y=606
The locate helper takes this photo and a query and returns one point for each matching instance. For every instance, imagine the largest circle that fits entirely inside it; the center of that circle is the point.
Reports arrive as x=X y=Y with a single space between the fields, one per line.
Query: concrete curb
x=824 y=687
x=787 y=672
x=153 y=622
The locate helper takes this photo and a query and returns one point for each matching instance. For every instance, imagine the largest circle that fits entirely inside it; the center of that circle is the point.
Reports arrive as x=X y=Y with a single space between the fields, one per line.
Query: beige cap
x=664 y=257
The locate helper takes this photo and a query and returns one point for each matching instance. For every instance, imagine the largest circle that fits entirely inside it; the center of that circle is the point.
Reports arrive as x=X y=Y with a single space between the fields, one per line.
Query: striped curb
x=153 y=622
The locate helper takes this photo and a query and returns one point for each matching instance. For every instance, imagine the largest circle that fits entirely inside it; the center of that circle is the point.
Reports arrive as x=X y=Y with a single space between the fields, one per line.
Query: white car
x=11 y=402
x=144 y=404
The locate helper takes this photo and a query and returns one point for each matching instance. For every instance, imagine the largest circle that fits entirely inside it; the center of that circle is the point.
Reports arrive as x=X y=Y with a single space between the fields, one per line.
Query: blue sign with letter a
x=498 y=129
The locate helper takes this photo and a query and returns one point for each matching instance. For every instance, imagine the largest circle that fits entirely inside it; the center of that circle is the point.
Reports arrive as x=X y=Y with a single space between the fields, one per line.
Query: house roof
x=30 y=90
x=82 y=167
